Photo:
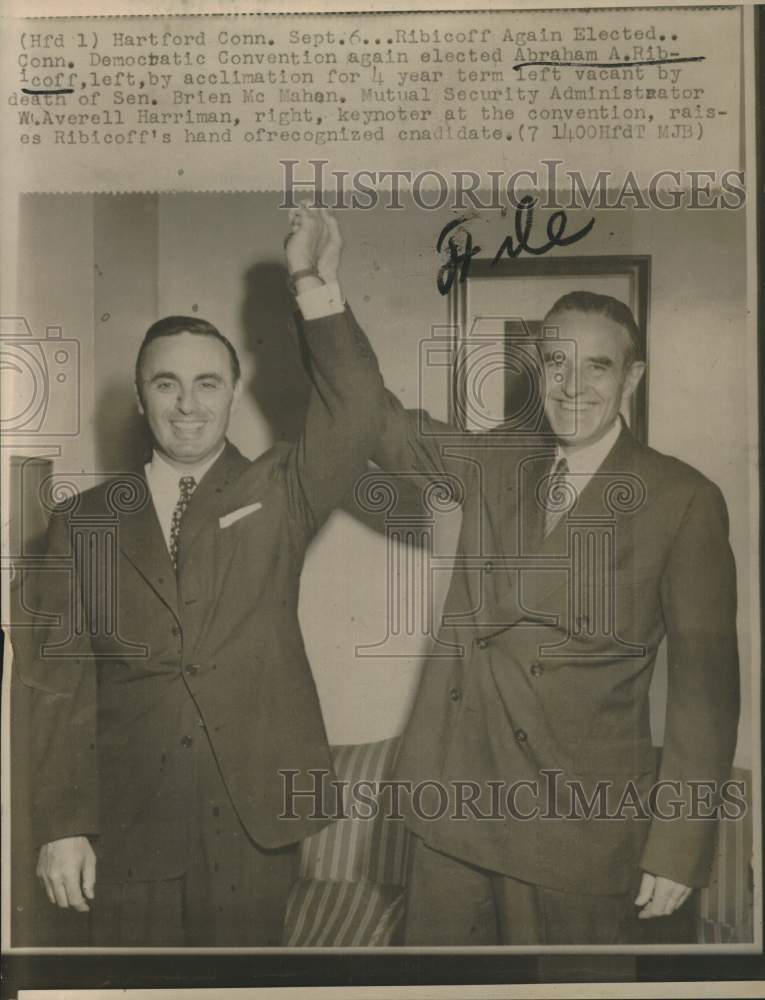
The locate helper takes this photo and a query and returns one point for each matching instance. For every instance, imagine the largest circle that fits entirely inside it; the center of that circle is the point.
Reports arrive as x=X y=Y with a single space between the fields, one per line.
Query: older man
x=580 y=552
x=159 y=741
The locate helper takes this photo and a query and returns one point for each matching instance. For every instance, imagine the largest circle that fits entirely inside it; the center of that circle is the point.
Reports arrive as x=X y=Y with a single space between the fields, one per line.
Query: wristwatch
x=304 y=272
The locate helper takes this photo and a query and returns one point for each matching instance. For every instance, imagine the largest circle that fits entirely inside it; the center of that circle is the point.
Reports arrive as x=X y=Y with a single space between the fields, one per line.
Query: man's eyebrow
x=602 y=359
x=197 y=378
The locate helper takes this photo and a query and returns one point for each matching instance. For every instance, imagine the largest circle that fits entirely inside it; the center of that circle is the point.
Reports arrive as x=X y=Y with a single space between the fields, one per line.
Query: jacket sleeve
x=410 y=440
x=342 y=420
x=55 y=700
x=351 y=418
x=698 y=594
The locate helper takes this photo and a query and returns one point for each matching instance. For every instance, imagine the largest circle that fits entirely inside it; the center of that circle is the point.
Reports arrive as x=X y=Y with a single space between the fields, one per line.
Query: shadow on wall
x=122 y=441
x=280 y=385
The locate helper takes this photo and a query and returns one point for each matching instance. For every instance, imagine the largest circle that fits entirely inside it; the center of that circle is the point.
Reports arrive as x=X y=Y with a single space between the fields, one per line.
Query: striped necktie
x=558 y=498
x=186 y=486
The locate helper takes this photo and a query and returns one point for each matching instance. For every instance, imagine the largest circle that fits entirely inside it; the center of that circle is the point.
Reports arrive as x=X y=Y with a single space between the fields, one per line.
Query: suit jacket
x=147 y=661
x=553 y=645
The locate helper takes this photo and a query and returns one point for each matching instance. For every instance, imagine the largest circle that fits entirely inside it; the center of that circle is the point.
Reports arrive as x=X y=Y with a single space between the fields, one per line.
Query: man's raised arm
x=398 y=439
x=410 y=440
x=344 y=409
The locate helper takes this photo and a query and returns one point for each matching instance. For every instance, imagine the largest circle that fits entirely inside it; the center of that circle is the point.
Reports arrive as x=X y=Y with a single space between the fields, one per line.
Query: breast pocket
x=226 y=521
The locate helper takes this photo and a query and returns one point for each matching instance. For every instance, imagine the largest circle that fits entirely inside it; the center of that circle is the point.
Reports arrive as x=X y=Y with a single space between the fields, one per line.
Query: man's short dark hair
x=603 y=305
x=172 y=325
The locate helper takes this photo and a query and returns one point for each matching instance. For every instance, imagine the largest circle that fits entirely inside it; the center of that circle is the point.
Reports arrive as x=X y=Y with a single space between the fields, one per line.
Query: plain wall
x=219 y=256
x=56 y=289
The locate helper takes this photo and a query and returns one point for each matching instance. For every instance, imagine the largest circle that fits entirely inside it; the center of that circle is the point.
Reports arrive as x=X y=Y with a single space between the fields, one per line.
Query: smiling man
x=591 y=370
x=580 y=553
x=159 y=737
x=187 y=381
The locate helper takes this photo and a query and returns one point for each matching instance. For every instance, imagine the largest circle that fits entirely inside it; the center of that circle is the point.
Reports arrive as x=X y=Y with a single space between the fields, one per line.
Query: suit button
x=521 y=735
x=176 y=630
x=537 y=669
x=192 y=669
x=186 y=741
x=455 y=694
x=482 y=643
x=488 y=566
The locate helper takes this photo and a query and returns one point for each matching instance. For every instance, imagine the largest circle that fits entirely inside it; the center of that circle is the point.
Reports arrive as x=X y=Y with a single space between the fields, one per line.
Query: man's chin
x=573 y=431
x=567 y=432
x=188 y=455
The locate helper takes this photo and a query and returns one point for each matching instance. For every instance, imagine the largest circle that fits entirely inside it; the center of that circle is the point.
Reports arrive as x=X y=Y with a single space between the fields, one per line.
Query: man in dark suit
x=580 y=551
x=171 y=686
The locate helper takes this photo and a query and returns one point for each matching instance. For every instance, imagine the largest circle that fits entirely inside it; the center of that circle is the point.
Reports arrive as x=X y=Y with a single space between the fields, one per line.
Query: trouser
x=452 y=903
x=232 y=893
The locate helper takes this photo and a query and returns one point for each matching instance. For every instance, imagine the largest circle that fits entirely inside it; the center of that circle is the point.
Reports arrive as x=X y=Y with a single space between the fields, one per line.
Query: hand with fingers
x=67 y=869
x=660 y=896
x=314 y=244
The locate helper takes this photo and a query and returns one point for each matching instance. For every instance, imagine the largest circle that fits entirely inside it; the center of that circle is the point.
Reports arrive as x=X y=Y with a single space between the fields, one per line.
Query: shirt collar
x=166 y=476
x=589 y=459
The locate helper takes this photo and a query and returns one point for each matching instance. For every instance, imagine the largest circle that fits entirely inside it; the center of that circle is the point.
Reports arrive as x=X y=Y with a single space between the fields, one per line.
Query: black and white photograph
x=381 y=555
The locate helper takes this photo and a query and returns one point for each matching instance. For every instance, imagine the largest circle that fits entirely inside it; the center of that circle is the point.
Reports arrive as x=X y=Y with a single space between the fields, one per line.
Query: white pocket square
x=235 y=515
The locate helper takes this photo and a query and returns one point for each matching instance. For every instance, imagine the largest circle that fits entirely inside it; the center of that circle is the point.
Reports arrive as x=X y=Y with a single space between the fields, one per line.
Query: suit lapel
x=545 y=576
x=141 y=538
x=206 y=498
x=531 y=513
x=518 y=525
x=520 y=514
x=591 y=500
x=142 y=541
x=199 y=570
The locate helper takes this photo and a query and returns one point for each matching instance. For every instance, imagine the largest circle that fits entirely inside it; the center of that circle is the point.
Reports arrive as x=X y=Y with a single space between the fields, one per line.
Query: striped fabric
x=350 y=891
x=342 y=914
x=725 y=907
x=356 y=849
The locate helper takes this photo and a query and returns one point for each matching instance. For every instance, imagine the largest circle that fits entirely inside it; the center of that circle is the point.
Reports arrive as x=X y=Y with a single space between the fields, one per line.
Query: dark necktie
x=186 y=486
x=558 y=498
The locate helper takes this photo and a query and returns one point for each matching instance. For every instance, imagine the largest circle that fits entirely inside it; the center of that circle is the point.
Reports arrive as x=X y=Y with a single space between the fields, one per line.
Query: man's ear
x=632 y=379
x=138 y=399
x=237 y=392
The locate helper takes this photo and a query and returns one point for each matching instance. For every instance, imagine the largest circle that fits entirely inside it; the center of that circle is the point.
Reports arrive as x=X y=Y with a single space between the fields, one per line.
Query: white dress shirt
x=164 y=485
x=323 y=300
x=584 y=462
